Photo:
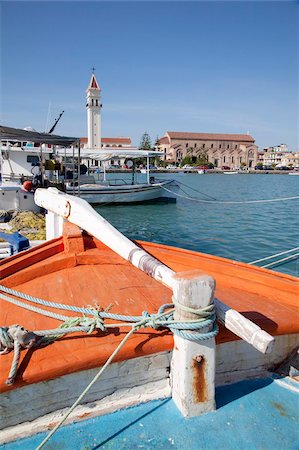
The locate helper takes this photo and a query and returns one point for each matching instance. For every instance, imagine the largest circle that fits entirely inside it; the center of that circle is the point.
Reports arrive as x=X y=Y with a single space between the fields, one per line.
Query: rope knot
x=93 y=324
x=148 y=320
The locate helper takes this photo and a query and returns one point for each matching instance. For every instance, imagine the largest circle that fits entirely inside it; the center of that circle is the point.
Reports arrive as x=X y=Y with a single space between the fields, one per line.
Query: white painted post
x=193 y=363
x=54 y=225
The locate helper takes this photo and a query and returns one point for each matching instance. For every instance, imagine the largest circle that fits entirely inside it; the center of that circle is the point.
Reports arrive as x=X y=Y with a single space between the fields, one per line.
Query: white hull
x=15 y=198
x=293 y=173
x=135 y=193
x=230 y=173
x=147 y=376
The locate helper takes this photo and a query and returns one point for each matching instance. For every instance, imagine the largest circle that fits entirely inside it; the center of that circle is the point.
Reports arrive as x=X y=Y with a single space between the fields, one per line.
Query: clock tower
x=93 y=107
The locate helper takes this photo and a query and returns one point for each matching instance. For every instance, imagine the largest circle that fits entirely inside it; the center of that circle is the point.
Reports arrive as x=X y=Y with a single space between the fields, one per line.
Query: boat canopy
x=17 y=134
x=108 y=153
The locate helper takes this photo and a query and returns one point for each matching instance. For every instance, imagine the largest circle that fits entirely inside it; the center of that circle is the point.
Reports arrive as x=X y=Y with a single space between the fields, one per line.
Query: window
x=92 y=102
x=97 y=103
x=203 y=145
x=212 y=145
x=187 y=145
x=219 y=145
x=227 y=145
x=232 y=159
x=33 y=159
x=195 y=145
x=236 y=146
x=224 y=159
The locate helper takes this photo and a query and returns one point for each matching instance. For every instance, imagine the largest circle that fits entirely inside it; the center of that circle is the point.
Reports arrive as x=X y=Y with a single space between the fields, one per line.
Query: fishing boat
x=119 y=388
x=20 y=161
x=231 y=172
x=121 y=192
x=118 y=190
x=24 y=154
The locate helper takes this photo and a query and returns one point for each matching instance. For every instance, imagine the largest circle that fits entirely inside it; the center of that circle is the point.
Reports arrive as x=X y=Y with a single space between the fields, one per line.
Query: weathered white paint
x=238 y=360
x=193 y=363
x=235 y=361
x=249 y=331
x=82 y=214
x=79 y=212
x=17 y=405
x=54 y=225
x=122 y=398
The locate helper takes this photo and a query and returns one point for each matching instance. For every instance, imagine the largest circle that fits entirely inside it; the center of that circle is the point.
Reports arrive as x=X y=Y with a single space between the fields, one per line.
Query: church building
x=230 y=150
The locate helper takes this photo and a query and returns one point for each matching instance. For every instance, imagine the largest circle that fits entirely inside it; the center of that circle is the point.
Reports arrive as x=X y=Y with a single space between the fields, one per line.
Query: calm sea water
x=243 y=232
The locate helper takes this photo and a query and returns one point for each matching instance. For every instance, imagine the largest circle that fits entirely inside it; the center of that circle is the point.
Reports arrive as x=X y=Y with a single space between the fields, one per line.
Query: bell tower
x=93 y=107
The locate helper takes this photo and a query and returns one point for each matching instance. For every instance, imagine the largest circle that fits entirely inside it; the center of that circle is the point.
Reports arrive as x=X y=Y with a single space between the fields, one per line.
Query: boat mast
x=55 y=123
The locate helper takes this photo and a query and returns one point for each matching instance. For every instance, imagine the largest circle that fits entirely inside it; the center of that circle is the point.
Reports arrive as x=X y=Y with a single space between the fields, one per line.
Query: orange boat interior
x=79 y=270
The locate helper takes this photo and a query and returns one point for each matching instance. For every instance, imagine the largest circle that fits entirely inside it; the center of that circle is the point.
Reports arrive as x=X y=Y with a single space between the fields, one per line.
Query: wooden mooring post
x=193 y=363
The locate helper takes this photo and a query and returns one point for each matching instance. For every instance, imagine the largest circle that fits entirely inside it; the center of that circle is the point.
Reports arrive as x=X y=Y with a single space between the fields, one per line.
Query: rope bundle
x=16 y=337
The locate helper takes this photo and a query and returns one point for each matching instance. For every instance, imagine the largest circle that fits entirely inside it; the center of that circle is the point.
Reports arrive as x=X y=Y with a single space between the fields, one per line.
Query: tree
x=202 y=156
x=145 y=142
x=187 y=161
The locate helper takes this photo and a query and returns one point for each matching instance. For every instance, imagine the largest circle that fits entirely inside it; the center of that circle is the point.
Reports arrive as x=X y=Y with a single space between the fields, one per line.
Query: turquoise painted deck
x=260 y=414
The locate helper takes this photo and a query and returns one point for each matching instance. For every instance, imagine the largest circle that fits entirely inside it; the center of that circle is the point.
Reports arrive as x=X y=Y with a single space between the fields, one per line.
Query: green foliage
x=145 y=142
x=187 y=161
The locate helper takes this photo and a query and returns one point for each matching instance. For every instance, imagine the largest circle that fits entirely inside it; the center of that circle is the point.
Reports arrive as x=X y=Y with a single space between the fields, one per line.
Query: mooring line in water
x=280 y=261
x=195 y=190
x=223 y=202
x=273 y=256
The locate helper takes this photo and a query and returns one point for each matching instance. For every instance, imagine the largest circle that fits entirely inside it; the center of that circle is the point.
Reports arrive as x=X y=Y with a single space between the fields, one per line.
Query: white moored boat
x=122 y=193
x=119 y=190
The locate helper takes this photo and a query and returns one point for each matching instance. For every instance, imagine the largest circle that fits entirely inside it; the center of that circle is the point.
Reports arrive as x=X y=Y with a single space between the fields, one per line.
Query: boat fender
x=27 y=186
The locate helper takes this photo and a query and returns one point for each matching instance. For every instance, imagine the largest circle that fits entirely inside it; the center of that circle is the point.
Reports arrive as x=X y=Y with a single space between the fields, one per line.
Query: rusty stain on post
x=199 y=380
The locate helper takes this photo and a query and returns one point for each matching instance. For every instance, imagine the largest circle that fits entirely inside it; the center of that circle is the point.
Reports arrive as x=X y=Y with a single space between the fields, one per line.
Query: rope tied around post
x=16 y=337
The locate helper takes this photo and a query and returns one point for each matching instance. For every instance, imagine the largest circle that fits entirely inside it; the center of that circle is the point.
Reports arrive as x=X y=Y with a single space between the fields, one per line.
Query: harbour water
x=243 y=232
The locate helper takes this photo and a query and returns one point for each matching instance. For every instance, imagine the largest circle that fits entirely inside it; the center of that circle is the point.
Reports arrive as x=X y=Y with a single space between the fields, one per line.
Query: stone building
x=231 y=150
x=279 y=156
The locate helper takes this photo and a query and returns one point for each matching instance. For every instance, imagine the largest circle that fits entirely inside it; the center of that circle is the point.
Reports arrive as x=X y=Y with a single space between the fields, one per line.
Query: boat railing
x=118 y=182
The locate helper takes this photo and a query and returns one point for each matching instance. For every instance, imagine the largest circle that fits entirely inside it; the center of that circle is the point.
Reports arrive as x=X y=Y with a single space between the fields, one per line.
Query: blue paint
x=259 y=414
x=16 y=240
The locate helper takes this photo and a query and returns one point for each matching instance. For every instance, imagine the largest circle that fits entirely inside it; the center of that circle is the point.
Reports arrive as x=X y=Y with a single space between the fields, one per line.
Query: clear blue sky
x=223 y=67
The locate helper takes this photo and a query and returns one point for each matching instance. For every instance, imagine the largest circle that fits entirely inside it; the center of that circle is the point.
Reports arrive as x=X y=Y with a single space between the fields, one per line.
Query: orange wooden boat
x=78 y=269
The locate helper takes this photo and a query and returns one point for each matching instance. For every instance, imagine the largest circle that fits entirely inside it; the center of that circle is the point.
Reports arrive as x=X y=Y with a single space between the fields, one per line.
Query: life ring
x=27 y=186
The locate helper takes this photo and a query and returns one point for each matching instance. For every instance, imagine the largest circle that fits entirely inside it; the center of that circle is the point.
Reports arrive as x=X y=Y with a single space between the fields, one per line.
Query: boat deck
x=80 y=270
x=259 y=414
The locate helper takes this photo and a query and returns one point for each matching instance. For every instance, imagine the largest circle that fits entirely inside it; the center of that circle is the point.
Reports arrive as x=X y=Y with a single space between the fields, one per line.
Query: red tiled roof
x=110 y=140
x=93 y=84
x=164 y=140
x=120 y=140
x=210 y=136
